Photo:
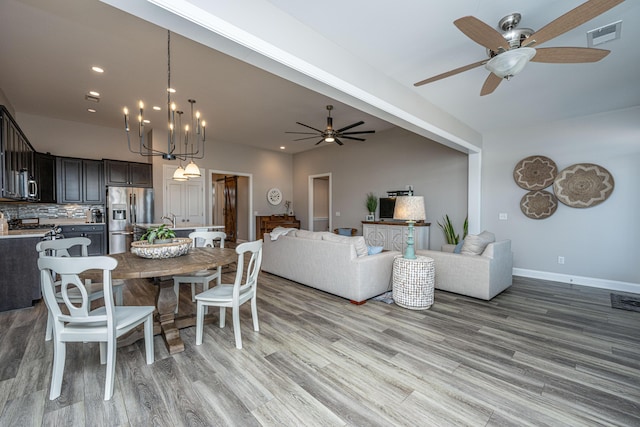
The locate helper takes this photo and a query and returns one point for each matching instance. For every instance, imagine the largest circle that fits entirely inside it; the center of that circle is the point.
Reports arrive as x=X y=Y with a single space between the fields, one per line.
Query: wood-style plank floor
x=541 y=353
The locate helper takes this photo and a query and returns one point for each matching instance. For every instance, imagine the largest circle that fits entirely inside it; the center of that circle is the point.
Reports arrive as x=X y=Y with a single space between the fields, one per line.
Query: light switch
x=337 y=213
x=503 y=216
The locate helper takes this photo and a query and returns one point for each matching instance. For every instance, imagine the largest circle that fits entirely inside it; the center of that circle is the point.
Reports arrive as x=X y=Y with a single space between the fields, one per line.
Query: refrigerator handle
x=135 y=209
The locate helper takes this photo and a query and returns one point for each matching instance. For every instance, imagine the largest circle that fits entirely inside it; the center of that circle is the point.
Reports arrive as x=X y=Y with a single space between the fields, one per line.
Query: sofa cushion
x=372 y=250
x=476 y=244
x=306 y=234
x=357 y=241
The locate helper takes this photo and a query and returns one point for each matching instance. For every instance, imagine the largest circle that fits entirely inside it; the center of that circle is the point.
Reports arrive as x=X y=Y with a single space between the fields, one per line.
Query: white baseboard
x=613 y=285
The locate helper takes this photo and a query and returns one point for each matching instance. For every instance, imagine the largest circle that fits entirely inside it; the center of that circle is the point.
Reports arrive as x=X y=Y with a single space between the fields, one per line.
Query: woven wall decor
x=583 y=185
x=538 y=204
x=535 y=172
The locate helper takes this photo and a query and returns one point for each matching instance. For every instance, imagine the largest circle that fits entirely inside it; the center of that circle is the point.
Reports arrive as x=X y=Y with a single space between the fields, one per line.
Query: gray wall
x=386 y=161
x=598 y=243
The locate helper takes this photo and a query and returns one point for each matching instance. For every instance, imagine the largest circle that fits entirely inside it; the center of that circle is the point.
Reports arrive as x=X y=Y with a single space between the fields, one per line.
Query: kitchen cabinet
x=20 y=278
x=45 y=173
x=393 y=236
x=97 y=233
x=185 y=200
x=80 y=181
x=128 y=174
x=17 y=163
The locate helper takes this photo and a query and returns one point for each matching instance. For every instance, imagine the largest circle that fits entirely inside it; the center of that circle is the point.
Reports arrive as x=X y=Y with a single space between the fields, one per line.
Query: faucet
x=171 y=218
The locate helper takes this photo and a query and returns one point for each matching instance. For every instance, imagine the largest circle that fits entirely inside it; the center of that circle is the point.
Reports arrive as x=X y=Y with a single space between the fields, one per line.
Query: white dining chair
x=234 y=295
x=60 y=248
x=204 y=277
x=103 y=325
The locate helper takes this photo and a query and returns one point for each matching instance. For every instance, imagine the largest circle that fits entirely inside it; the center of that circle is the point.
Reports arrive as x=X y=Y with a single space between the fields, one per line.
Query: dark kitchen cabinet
x=97 y=233
x=16 y=165
x=80 y=181
x=128 y=174
x=45 y=173
x=20 y=278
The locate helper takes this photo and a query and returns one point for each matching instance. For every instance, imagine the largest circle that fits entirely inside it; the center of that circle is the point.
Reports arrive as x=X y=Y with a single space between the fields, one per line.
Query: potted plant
x=449 y=232
x=371 y=203
x=159 y=234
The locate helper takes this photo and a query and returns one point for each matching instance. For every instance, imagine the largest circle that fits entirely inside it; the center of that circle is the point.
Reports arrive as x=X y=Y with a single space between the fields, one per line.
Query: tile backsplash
x=46 y=211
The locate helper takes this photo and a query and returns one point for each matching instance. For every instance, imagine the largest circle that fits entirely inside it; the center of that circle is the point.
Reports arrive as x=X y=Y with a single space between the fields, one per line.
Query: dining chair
x=204 y=277
x=234 y=295
x=60 y=248
x=103 y=325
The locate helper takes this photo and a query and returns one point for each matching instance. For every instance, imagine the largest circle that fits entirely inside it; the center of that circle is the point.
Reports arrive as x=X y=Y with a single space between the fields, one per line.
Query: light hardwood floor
x=541 y=353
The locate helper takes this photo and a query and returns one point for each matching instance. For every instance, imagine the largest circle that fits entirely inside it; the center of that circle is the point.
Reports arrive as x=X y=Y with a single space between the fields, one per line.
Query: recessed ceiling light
x=94 y=93
x=97 y=69
x=146 y=122
x=91 y=110
x=155 y=107
x=171 y=90
x=282 y=147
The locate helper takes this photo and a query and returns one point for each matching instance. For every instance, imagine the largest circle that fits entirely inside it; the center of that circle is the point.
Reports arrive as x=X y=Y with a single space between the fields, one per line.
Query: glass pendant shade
x=191 y=170
x=178 y=175
x=511 y=62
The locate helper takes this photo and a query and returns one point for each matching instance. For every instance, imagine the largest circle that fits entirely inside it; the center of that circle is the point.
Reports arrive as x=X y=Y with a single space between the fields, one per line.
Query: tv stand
x=392 y=235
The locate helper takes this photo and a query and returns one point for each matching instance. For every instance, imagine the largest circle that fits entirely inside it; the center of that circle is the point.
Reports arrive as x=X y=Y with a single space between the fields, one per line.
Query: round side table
x=413 y=281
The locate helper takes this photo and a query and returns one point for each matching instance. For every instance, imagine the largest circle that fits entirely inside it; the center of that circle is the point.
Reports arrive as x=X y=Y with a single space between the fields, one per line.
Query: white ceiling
x=47 y=49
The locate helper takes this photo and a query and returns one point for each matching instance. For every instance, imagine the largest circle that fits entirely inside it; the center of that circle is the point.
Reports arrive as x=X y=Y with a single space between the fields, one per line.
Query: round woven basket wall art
x=583 y=185
x=538 y=204
x=535 y=172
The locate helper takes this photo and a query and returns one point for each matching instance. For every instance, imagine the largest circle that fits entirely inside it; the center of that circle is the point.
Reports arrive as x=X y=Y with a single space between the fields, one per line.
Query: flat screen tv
x=387 y=205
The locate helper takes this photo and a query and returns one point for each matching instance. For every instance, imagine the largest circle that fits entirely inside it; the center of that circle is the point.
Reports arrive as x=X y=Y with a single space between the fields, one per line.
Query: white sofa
x=330 y=263
x=480 y=276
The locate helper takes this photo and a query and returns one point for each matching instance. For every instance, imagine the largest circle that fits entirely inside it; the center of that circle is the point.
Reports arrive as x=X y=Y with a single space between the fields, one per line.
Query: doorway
x=320 y=202
x=231 y=195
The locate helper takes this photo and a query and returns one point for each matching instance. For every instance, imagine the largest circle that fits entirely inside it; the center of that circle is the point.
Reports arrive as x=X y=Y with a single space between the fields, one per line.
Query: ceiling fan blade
x=319 y=142
x=308 y=137
x=356 y=133
x=482 y=33
x=490 y=84
x=353 y=137
x=568 y=55
x=338 y=141
x=303 y=133
x=307 y=126
x=570 y=20
x=451 y=73
x=350 y=126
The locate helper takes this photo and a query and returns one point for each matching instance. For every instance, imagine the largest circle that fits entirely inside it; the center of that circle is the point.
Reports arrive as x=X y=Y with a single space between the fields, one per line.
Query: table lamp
x=411 y=209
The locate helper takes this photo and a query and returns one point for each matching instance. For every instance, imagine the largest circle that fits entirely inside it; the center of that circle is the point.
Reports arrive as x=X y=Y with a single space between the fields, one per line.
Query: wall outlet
x=560 y=260
x=503 y=216
x=337 y=213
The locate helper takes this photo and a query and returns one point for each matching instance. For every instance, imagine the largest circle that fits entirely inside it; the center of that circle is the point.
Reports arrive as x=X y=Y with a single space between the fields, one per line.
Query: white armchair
x=480 y=276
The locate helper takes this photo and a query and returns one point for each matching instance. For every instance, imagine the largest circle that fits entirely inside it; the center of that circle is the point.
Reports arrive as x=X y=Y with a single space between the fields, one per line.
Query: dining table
x=131 y=266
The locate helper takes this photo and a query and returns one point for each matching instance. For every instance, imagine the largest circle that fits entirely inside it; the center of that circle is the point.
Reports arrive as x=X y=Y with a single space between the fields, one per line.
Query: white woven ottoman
x=413 y=281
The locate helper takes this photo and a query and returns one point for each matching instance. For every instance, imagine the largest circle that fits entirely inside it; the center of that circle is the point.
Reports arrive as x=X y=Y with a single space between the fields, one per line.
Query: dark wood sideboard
x=264 y=224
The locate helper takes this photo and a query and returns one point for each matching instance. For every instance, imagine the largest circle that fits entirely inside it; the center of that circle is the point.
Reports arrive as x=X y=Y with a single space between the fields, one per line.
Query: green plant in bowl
x=161 y=232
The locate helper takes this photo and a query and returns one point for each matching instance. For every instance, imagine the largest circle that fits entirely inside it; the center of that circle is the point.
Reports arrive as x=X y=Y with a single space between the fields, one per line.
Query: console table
x=393 y=235
x=266 y=223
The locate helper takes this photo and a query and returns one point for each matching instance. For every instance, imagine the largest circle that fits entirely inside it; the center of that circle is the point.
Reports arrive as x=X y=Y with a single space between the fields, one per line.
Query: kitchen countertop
x=14 y=234
x=181 y=226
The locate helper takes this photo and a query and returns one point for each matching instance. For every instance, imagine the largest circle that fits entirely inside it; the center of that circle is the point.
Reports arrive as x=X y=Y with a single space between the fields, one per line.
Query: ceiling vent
x=604 y=34
x=91 y=98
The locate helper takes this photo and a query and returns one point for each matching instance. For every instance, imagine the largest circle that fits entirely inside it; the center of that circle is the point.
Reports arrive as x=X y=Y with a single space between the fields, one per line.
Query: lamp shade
x=511 y=62
x=178 y=175
x=191 y=170
x=410 y=208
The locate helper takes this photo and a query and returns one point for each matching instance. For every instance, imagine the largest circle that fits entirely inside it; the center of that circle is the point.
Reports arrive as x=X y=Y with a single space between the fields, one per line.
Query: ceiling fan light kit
x=511 y=50
x=329 y=134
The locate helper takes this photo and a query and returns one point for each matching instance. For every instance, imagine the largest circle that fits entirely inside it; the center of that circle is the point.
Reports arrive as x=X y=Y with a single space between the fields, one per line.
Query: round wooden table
x=131 y=266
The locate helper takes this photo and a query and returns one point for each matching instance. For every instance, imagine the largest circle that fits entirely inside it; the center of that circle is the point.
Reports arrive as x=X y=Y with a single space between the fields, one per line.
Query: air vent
x=91 y=98
x=604 y=34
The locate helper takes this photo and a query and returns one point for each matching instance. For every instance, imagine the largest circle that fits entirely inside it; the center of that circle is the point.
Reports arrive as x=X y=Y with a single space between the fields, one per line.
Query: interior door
x=231 y=207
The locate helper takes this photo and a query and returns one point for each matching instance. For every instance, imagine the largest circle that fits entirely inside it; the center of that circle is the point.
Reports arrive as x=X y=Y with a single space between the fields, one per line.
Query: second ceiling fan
x=329 y=134
x=510 y=52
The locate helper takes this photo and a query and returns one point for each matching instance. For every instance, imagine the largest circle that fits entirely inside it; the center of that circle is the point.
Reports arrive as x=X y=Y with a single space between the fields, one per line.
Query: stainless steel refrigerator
x=126 y=207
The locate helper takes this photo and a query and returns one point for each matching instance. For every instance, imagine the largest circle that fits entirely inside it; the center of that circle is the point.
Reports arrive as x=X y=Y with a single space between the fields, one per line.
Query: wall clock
x=274 y=196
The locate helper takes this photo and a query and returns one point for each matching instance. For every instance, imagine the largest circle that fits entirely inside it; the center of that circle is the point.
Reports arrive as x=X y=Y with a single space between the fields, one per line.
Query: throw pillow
x=372 y=250
x=344 y=231
x=357 y=241
x=476 y=244
x=306 y=234
x=458 y=247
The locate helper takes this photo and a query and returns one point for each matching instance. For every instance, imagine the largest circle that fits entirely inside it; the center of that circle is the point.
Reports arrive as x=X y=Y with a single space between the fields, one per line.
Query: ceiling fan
x=511 y=51
x=330 y=134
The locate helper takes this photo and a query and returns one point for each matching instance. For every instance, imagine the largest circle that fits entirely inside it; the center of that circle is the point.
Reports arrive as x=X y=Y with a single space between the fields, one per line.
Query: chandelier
x=183 y=143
